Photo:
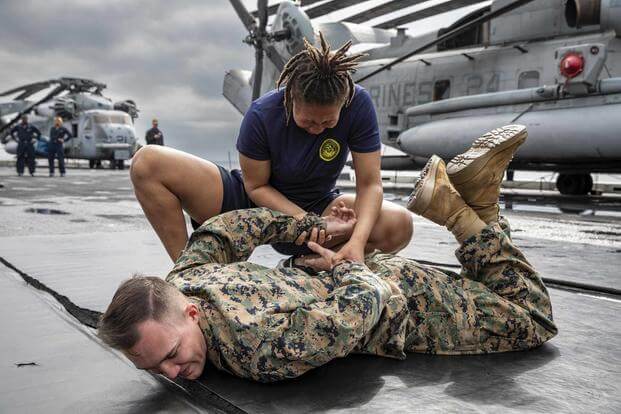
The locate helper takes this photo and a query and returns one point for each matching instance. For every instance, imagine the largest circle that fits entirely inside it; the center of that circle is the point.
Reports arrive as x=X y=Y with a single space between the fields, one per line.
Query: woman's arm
x=256 y=176
x=369 y=195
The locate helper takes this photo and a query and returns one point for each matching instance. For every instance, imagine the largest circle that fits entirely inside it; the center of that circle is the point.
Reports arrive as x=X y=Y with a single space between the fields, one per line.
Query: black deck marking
x=194 y=390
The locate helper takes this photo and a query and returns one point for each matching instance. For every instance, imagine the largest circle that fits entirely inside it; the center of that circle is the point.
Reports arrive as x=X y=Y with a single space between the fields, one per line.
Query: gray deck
x=104 y=238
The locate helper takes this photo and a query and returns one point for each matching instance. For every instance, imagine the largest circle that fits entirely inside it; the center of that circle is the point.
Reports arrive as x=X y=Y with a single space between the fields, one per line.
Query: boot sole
x=423 y=190
x=463 y=168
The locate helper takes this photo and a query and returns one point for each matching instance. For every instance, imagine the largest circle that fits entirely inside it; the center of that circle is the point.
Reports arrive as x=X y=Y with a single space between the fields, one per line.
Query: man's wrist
x=307 y=221
x=299 y=216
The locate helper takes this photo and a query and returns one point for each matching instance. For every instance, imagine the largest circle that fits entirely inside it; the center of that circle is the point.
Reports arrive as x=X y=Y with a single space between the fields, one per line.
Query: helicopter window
x=528 y=79
x=441 y=89
x=101 y=119
x=120 y=119
x=112 y=119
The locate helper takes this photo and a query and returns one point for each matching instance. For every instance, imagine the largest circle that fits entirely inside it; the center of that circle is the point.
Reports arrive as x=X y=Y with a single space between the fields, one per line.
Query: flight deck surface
x=83 y=234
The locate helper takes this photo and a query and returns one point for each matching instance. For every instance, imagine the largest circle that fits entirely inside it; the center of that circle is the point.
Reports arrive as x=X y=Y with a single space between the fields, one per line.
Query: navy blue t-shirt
x=304 y=166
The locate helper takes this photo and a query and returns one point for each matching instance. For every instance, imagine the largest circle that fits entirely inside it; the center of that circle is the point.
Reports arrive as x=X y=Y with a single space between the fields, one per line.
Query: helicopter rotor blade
x=271 y=10
x=427 y=12
x=262 y=11
x=258 y=74
x=449 y=35
x=258 y=46
x=29 y=89
x=56 y=91
x=260 y=39
x=244 y=16
x=274 y=57
x=329 y=7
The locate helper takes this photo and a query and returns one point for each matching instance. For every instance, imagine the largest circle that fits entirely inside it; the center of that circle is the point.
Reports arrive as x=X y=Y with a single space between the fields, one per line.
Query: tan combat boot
x=435 y=198
x=478 y=172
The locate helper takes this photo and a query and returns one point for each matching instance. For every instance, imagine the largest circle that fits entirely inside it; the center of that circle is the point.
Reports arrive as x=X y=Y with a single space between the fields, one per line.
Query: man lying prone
x=273 y=324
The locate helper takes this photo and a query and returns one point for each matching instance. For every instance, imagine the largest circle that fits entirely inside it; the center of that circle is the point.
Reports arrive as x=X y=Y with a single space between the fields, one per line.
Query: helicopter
x=551 y=65
x=101 y=129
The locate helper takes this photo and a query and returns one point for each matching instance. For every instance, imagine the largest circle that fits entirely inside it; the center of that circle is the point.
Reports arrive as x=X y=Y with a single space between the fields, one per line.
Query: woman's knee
x=396 y=231
x=144 y=163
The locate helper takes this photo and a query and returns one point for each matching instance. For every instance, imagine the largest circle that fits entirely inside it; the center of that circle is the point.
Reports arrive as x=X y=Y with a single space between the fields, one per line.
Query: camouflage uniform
x=272 y=324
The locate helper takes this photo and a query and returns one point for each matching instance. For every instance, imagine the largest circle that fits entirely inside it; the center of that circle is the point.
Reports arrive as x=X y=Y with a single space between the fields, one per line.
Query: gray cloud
x=170 y=57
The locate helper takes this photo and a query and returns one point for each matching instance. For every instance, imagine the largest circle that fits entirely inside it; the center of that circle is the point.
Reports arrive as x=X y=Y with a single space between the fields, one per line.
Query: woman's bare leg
x=166 y=182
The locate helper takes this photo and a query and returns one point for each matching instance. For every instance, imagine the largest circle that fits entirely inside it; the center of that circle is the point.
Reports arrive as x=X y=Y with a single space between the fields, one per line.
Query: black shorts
x=234 y=197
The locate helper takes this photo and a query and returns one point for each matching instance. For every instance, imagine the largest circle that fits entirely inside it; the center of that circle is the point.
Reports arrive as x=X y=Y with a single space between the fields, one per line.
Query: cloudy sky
x=170 y=57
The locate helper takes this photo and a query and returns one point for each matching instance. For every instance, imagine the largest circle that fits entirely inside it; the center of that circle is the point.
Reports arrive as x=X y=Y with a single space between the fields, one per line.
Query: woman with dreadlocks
x=293 y=144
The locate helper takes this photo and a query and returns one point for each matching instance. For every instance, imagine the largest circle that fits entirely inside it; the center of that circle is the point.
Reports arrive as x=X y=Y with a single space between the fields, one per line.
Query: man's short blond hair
x=137 y=300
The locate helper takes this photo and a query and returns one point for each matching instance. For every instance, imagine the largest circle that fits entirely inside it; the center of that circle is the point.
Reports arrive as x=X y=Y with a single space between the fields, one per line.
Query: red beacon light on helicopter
x=572 y=65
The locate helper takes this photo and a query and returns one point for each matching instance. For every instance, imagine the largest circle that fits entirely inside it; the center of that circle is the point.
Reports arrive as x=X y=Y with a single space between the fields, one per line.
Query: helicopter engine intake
x=606 y=13
x=65 y=107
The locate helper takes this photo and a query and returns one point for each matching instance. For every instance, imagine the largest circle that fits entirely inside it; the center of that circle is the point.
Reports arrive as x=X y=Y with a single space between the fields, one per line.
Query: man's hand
x=323 y=260
x=314 y=235
x=352 y=250
x=340 y=222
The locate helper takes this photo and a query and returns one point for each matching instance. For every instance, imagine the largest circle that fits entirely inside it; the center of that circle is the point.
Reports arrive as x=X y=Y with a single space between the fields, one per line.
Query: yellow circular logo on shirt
x=329 y=149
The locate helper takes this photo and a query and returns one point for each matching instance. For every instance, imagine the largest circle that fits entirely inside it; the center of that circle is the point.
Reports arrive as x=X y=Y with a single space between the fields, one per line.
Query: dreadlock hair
x=319 y=76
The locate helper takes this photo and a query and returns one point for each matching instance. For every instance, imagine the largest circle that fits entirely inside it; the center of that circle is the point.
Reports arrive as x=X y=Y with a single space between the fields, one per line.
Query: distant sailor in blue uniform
x=154 y=136
x=26 y=136
x=58 y=135
x=293 y=145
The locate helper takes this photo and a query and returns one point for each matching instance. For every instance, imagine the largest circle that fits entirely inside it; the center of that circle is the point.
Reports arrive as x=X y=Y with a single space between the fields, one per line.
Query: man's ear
x=191 y=311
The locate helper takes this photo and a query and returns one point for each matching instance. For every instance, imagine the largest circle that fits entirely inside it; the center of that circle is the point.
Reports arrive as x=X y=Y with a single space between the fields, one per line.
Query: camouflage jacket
x=272 y=324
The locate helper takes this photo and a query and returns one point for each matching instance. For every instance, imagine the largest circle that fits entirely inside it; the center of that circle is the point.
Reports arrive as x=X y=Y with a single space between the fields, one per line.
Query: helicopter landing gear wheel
x=91 y=164
x=574 y=184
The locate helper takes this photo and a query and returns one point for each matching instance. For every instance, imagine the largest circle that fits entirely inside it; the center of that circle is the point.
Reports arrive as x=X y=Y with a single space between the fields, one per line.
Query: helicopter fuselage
x=98 y=134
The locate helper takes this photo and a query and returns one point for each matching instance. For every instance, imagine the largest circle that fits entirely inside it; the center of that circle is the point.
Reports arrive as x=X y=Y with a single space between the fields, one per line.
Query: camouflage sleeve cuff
x=346 y=267
x=360 y=270
x=307 y=222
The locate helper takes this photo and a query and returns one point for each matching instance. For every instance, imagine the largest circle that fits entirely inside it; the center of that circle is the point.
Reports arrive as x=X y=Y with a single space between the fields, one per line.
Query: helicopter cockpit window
x=441 y=90
x=112 y=119
x=120 y=119
x=101 y=119
x=528 y=79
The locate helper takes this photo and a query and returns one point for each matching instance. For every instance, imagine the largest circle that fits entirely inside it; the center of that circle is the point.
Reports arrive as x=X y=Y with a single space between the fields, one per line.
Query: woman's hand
x=341 y=221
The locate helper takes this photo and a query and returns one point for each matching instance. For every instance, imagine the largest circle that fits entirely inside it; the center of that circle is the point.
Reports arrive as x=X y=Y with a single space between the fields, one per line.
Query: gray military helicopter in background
x=102 y=130
x=552 y=65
